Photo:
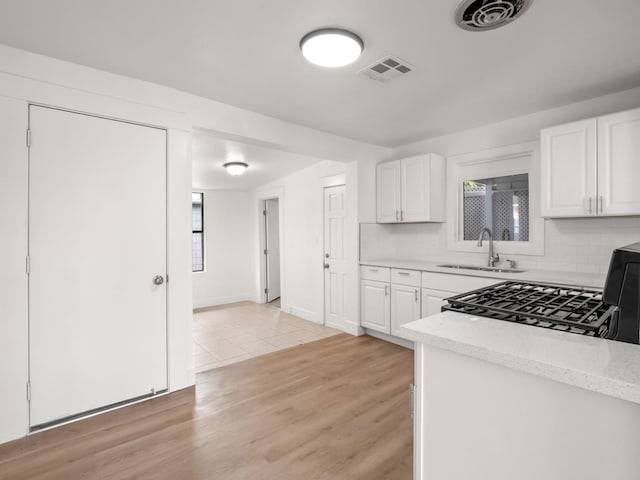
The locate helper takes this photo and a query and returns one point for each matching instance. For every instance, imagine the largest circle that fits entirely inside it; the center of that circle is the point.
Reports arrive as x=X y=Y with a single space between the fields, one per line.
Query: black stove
x=569 y=309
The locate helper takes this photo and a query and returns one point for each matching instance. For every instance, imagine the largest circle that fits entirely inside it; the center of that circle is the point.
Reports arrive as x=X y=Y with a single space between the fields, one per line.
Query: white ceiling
x=266 y=164
x=245 y=53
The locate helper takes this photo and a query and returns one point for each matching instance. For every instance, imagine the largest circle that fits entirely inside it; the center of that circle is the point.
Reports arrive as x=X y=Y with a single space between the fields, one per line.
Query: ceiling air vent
x=479 y=15
x=386 y=69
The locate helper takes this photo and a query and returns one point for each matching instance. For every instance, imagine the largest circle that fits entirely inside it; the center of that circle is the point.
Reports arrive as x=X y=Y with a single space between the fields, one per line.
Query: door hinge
x=266 y=290
x=412 y=390
x=28 y=391
x=27 y=262
x=264 y=212
x=28 y=137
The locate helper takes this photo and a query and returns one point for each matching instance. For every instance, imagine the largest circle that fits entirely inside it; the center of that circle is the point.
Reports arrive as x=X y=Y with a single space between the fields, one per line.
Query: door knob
x=326 y=265
x=158 y=280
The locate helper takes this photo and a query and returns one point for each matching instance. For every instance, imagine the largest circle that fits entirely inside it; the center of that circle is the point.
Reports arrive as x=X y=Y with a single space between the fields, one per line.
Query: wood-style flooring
x=337 y=408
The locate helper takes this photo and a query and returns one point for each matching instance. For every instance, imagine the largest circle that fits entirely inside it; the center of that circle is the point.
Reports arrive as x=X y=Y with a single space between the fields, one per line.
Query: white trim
x=521 y=158
x=303 y=313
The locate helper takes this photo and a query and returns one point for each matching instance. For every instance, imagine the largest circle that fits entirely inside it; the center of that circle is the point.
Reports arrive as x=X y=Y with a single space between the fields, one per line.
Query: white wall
x=230 y=227
x=577 y=245
x=302 y=240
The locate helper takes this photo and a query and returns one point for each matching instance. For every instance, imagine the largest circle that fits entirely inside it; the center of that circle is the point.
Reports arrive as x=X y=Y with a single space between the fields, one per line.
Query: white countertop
x=603 y=366
x=542 y=276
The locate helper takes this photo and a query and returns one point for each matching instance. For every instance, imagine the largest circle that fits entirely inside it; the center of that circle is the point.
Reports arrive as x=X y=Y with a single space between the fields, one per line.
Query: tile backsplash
x=572 y=245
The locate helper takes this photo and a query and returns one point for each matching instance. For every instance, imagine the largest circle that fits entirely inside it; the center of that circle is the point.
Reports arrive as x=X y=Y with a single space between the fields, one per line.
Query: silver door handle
x=386 y=289
x=601 y=204
x=397 y=213
x=589 y=205
x=416 y=292
x=326 y=265
x=158 y=280
x=401 y=215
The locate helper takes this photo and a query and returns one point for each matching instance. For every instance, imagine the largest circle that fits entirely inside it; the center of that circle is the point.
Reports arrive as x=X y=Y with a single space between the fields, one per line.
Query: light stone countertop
x=541 y=276
x=603 y=366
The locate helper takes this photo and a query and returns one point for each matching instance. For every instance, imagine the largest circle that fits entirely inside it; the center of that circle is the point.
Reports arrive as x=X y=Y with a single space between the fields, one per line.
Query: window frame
x=496 y=162
x=201 y=231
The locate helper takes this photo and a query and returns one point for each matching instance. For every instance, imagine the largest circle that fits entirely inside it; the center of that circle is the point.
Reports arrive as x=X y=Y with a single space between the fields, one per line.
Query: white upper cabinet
x=568 y=186
x=619 y=163
x=388 y=192
x=411 y=190
x=590 y=167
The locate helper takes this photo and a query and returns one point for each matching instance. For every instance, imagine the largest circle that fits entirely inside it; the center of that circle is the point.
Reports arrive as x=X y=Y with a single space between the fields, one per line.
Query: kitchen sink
x=482 y=269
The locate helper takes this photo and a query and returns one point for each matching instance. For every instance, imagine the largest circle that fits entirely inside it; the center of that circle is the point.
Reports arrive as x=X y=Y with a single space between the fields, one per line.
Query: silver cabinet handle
x=589 y=205
x=416 y=294
x=601 y=204
x=397 y=213
x=326 y=265
x=403 y=273
x=401 y=215
x=373 y=269
x=158 y=280
x=386 y=289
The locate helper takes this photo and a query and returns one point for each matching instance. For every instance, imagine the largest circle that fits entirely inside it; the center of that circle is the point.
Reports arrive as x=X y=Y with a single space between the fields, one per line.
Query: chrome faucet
x=493 y=259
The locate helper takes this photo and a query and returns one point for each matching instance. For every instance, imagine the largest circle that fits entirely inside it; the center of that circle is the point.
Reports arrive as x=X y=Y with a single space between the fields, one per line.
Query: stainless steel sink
x=482 y=269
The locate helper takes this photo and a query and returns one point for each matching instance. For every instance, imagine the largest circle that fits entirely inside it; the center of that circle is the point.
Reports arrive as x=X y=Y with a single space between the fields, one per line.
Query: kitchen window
x=197 y=232
x=497 y=189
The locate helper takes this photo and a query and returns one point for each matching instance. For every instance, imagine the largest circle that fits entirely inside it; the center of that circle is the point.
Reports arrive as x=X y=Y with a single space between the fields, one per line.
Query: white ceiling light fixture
x=235 y=168
x=331 y=47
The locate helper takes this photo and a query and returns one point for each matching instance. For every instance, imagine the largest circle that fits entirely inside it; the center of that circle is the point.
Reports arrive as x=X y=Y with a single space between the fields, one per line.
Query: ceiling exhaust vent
x=479 y=15
x=386 y=69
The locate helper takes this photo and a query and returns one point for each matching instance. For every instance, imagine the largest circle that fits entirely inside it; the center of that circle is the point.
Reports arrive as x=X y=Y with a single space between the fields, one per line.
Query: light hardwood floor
x=336 y=408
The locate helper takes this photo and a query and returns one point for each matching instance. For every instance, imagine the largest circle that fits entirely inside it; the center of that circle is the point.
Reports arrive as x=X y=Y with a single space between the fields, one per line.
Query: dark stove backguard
x=622 y=289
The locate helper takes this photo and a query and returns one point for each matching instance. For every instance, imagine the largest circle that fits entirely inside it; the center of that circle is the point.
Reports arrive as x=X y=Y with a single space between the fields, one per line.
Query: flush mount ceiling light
x=331 y=47
x=235 y=168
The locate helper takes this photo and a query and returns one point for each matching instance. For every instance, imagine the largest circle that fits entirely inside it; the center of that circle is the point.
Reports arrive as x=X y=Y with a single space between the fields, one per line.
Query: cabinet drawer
x=403 y=276
x=380 y=274
x=455 y=283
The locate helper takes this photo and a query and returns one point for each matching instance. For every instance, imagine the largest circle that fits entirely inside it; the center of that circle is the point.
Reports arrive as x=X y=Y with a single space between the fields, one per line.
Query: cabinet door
x=619 y=163
x=405 y=307
x=374 y=305
x=433 y=300
x=568 y=170
x=388 y=192
x=415 y=180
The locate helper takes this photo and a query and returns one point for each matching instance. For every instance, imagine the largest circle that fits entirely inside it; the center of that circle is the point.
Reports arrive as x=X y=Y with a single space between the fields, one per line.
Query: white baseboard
x=390 y=338
x=347 y=327
x=214 y=301
x=302 y=313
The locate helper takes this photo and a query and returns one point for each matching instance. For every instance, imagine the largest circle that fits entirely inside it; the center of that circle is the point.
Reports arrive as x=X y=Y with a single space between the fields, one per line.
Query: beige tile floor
x=231 y=333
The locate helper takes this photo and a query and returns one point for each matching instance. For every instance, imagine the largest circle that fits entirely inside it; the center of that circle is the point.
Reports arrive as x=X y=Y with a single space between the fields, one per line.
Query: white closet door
x=97 y=239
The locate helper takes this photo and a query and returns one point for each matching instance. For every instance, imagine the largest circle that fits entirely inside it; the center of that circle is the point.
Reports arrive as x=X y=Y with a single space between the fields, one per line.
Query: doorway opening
x=271 y=251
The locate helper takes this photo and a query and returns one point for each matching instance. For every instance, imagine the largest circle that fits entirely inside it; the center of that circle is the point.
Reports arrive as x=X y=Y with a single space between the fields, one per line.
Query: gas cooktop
x=569 y=309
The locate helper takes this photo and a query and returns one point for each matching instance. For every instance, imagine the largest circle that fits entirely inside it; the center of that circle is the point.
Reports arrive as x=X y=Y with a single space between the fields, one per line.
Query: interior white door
x=272 y=247
x=335 y=267
x=97 y=249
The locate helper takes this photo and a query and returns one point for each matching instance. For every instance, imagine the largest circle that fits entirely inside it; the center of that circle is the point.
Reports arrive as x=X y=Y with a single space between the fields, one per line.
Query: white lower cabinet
x=375 y=311
x=405 y=307
x=433 y=300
